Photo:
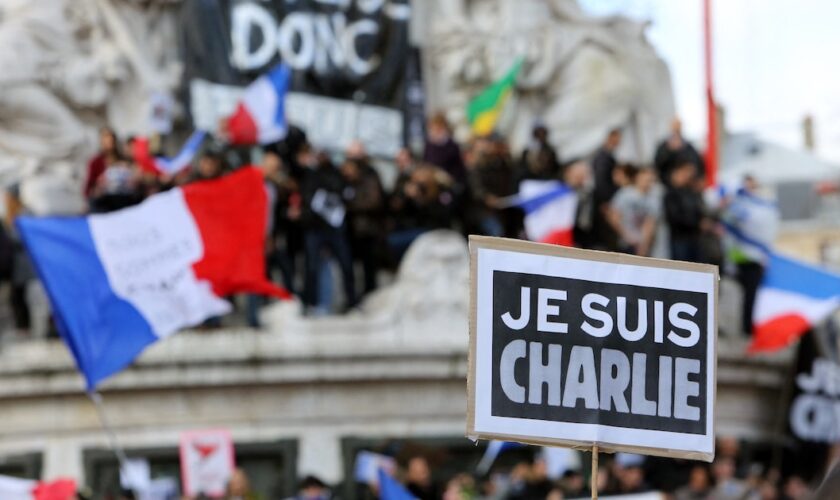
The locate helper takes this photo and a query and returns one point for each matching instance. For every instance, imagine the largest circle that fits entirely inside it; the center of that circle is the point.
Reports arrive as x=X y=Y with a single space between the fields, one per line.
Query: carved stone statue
x=581 y=75
x=429 y=294
x=70 y=66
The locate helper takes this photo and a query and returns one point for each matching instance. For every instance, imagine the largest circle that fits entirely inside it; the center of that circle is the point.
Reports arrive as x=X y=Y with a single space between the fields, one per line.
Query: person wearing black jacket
x=684 y=212
x=366 y=209
x=423 y=203
x=673 y=152
x=603 y=169
x=539 y=160
x=323 y=218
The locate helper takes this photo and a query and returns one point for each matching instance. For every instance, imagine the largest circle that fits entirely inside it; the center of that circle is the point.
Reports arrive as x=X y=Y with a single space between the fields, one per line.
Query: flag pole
x=712 y=146
x=113 y=442
x=593 y=476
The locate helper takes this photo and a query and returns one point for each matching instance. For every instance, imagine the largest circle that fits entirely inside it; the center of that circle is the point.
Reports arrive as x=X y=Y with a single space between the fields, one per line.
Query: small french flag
x=793 y=298
x=171 y=166
x=120 y=281
x=158 y=165
x=260 y=116
x=550 y=208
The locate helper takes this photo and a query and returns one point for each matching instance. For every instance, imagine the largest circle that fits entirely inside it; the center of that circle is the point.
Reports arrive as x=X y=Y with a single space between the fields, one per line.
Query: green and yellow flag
x=483 y=111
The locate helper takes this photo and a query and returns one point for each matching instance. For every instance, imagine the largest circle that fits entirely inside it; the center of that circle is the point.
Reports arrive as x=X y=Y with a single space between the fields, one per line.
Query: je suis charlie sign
x=578 y=348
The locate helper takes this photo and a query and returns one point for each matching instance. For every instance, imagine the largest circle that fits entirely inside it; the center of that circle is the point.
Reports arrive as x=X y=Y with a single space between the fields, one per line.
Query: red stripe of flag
x=778 y=333
x=241 y=128
x=231 y=214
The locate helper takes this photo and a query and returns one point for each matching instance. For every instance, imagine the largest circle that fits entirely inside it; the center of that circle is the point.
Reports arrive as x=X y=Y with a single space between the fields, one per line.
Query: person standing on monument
x=635 y=211
x=441 y=149
x=752 y=222
x=539 y=159
x=109 y=153
x=675 y=151
x=603 y=169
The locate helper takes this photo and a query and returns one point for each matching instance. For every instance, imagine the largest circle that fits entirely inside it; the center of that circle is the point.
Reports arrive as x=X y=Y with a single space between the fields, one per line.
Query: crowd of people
x=337 y=209
x=622 y=474
x=531 y=476
x=327 y=209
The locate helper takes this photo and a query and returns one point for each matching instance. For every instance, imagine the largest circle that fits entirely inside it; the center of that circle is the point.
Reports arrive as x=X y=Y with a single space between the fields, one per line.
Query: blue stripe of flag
x=185 y=155
x=104 y=332
x=530 y=205
x=784 y=273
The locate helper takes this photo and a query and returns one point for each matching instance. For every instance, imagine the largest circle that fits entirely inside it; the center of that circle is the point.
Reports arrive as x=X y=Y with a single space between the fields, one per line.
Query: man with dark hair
x=675 y=151
x=312 y=488
x=366 y=208
x=211 y=164
x=684 y=213
x=418 y=479
x=539 y=159
x=325 y=226
x=603 y=166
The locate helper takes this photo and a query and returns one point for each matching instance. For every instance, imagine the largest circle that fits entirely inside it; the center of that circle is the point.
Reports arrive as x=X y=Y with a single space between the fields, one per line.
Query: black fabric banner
x=815 y=406
x=355 y=51
x=349 y=50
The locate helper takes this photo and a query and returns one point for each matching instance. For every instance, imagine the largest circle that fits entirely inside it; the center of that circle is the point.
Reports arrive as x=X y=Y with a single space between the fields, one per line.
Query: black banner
x=578 y=351
x=815 y=407
x=356 y=51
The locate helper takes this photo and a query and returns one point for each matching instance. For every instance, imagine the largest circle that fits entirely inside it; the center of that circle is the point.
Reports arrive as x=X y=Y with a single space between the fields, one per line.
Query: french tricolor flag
x=13 y=488
x=260 y=116
x=793 y=298
x=159 y=165
x=121 y=281
x=185 y=156
x=550 y=208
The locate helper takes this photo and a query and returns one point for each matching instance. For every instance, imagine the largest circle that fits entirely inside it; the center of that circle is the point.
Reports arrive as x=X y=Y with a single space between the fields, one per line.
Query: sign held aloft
x=579 y=348
x=207 y=462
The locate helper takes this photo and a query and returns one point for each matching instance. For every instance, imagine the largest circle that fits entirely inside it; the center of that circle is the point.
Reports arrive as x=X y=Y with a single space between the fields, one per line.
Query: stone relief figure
x=70 y=66
x=581 y=75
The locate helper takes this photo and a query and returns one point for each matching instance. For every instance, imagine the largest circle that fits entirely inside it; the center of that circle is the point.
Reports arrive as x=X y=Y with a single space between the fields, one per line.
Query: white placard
x=577 y=348
x=207 y=462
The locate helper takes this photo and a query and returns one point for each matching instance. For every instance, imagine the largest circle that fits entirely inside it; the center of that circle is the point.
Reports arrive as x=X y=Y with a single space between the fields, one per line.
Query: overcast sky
x=775 y=62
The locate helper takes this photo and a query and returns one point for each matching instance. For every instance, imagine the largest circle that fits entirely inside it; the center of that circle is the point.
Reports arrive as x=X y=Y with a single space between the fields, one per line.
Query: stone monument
x=581 y=75
x=69 y=67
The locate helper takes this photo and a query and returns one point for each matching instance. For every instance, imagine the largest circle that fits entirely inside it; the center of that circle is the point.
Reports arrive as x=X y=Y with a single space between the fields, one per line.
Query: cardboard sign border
x=511 y=245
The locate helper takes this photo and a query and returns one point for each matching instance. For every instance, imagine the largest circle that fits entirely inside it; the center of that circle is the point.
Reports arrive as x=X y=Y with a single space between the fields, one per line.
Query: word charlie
x=622 y=350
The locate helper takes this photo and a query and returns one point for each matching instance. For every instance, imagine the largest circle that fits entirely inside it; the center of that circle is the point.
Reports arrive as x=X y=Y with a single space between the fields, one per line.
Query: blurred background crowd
x=349 y=213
